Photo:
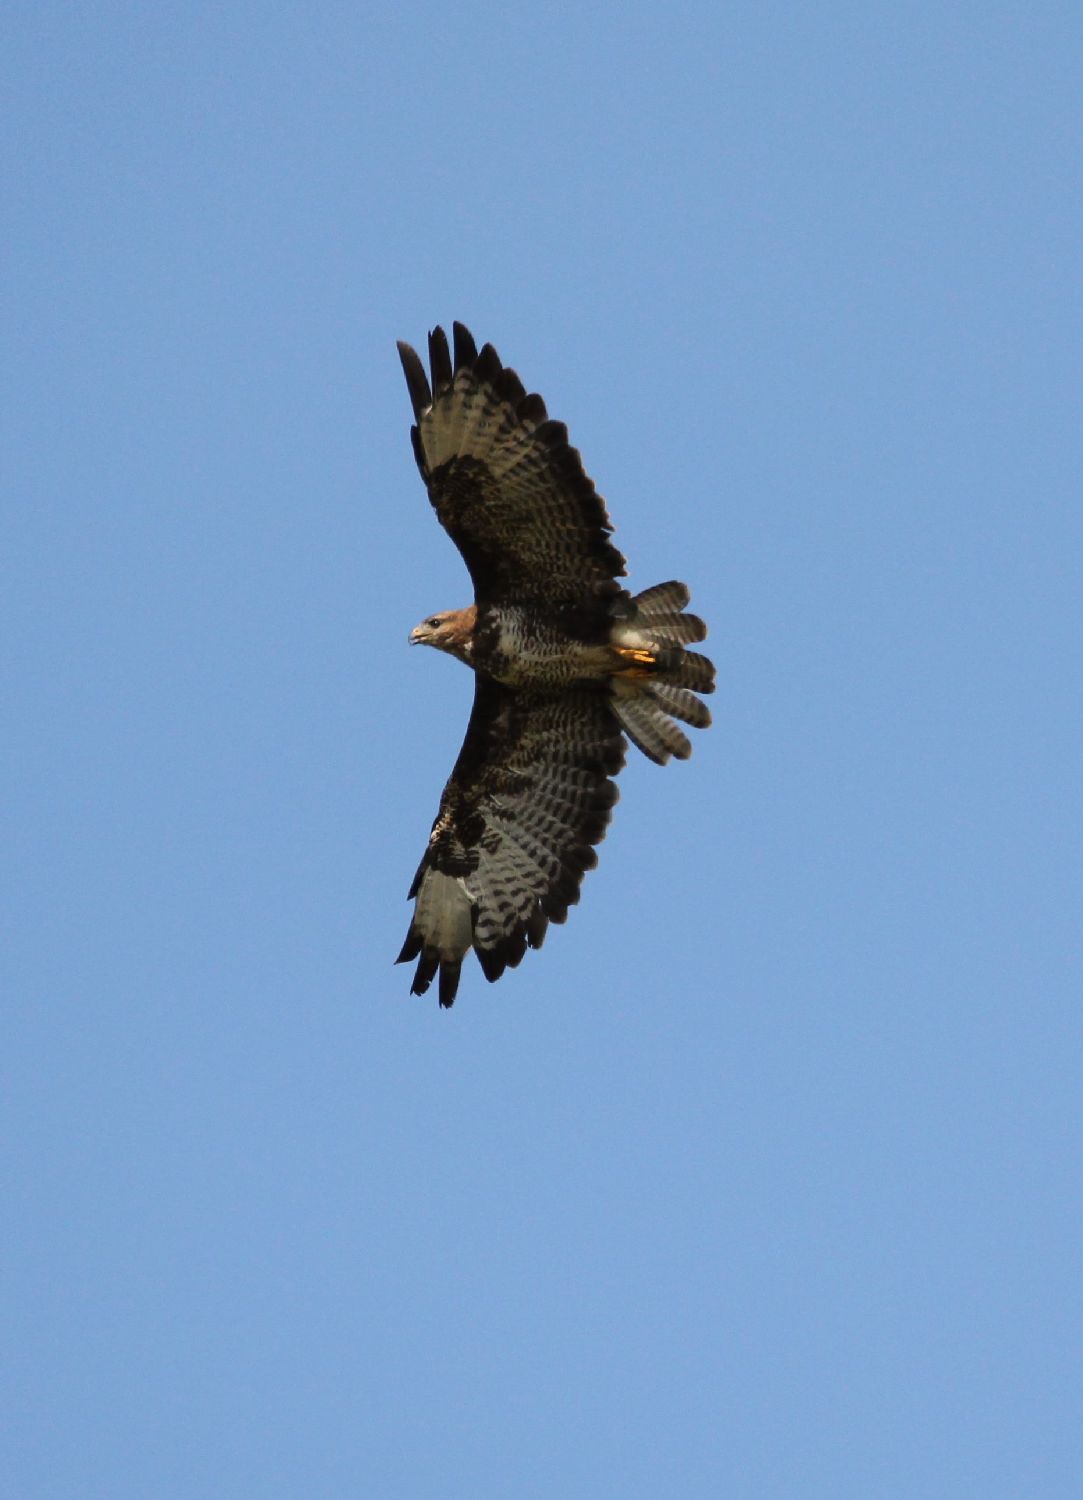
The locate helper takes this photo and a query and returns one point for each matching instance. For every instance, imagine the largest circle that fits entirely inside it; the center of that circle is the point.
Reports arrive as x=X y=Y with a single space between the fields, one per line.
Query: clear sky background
x=763 y=1179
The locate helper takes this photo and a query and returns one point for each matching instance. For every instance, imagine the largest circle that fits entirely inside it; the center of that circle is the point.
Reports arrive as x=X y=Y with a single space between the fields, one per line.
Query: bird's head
x=452 y=630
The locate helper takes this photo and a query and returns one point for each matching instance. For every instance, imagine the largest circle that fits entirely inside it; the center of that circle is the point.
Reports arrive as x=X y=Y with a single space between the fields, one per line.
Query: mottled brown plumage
x=566 y=664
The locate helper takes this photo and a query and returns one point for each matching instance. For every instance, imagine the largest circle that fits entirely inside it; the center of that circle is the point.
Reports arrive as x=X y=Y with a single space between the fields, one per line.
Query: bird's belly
x=530 y=655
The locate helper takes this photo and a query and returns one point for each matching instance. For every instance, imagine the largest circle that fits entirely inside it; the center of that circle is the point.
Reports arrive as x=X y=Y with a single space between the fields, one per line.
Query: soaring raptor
x=566 y=663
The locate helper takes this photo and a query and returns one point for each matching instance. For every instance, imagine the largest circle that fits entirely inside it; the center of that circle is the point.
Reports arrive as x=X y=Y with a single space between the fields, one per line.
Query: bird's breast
x=522 y=647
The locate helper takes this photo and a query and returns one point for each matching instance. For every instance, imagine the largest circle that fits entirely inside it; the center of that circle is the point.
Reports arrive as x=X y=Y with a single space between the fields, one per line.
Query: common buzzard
x=566 y=663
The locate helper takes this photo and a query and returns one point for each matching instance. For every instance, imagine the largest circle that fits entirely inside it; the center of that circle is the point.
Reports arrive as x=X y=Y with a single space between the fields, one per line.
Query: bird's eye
x=434 y=622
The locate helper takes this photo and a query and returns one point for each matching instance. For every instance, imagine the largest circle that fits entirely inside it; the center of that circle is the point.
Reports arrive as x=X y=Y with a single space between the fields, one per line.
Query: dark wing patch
x=528 y=799
x=504 y=481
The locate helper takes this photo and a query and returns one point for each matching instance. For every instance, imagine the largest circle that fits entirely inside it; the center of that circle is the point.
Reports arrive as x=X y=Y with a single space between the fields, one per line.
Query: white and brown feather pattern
x=504 y=481
x=530 y=795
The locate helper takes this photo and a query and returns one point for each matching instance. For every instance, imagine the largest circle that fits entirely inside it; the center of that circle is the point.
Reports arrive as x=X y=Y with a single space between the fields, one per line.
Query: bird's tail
x=656 y=679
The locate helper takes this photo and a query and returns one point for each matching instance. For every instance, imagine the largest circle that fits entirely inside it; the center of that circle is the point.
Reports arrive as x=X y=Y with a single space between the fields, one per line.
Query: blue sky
x=762 y=1179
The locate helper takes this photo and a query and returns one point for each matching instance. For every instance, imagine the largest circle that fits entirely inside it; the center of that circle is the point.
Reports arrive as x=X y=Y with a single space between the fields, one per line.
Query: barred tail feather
x=682 y=630
x=682 y=703
x=690 y=670
x=646 y=703
x=659 y=611
x=655 y=621
x=662 y=599
x=647 y=725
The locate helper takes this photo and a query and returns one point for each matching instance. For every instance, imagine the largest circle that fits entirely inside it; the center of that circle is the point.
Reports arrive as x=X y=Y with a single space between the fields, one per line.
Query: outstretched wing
x=505 y=483
x=529 y=797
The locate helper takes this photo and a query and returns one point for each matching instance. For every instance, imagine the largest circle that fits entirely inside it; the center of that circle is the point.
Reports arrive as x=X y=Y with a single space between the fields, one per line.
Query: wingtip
x=449 y=982
x=492 y=962
x=439 y=360
x=411 y=947
x=417 y=382
x=466 y=351
x=425 y=973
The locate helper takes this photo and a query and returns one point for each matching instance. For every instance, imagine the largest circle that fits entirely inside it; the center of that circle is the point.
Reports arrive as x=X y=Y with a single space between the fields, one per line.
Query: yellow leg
x=639 y=663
